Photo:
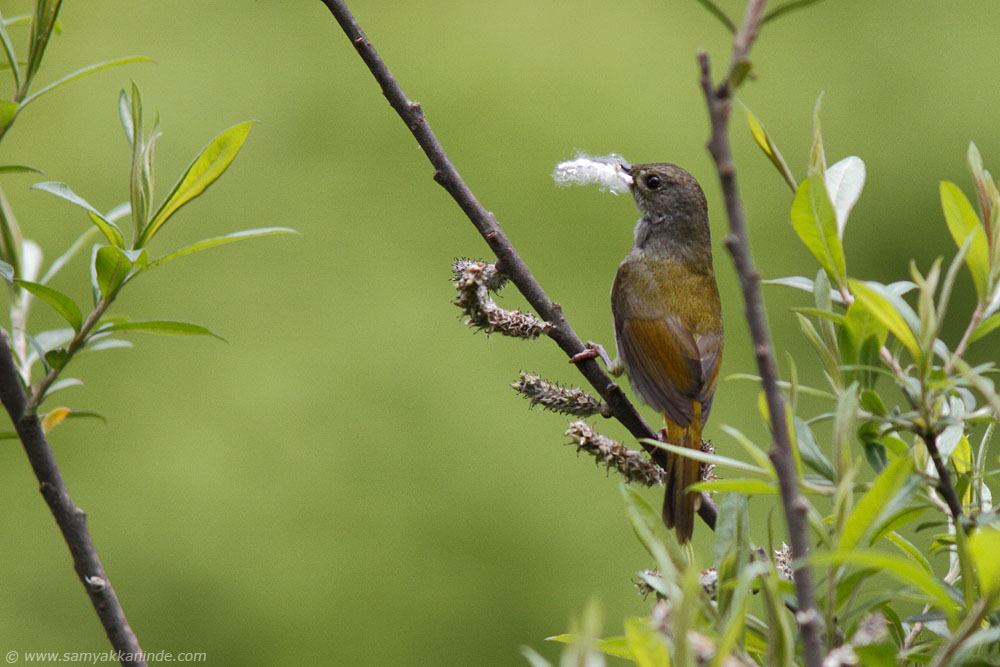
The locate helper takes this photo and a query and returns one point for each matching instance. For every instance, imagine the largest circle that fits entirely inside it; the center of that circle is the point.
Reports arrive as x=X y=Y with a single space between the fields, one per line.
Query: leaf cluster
x=896 y=467
x=117 y=255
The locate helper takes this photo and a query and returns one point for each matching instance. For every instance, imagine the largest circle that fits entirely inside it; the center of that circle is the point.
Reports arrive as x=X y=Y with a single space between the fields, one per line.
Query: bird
x=668 y=322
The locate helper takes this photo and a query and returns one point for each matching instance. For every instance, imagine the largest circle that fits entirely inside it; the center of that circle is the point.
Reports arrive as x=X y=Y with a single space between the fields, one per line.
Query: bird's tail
x=680 y=505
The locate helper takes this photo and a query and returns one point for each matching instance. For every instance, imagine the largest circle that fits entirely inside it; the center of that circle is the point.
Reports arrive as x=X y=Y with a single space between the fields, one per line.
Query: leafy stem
x=77 y=343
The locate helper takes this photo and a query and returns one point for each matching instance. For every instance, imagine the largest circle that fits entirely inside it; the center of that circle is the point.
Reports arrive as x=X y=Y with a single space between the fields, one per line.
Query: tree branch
x=508 y=260
x=737 y=243
x=71 y=519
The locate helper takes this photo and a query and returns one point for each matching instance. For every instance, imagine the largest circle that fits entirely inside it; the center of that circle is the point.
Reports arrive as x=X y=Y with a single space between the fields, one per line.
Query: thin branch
x=74 y=346
x=944 y=485
x=508 y=259
x=719 y=102
x=71 y=520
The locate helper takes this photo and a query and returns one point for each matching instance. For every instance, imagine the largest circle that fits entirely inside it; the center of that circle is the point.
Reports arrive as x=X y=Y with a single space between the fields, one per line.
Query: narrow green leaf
x=162 y=327
x=19 y=169
x=64 y=383
x=82 y=72
x=984 y=545
x=615 y=646
x=884 y=312
x=221 y=240
x=534 y=658
x=985 y=327
x=898 y=567
x=844 y=181
x=108 y=228
x=660 y=545
x=982 y=179
x=112 y=267
x=963 y=223
x=717 y=12
x=817 y=155
x=789 y=6
x=645 y=645
x=767 y=145
x=866 y=513
x=910 y=550
x=810 y=452
x=780 y=639
x=705 y=457
x=59 y=301
x=12 y=244
x=8 y=110
x=213 y=160
x=8 y=49
x=756 y=453
x=748 y=487
x=815 y=221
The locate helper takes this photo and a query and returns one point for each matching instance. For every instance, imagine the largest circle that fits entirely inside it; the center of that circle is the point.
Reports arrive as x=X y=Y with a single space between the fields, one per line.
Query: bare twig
x=737 y=243
x=509 y=261
x=71 y=519
x=944 y=485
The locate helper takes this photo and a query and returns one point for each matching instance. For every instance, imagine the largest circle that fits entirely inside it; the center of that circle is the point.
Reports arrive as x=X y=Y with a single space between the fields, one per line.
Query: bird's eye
x=653 y=182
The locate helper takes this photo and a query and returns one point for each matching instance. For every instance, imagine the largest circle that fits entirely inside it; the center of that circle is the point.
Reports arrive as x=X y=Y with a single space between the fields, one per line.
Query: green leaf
x=985 y=327
x=884 y=312
x=221 y=240
x=717 y=12
x=844 y=181
x=815 y=221
x=984 y=182
x=12 y=243
x=705 y=457
x=19 y=169
x=645 y=645
x=108 y=228
x=59 y=301
x=213 y=160
x=6 y=272
x=817 y=155
x=82 y=72
x=648 y=527
x=869 y=509
x=8 y=110
x=534 y=658
x=984 y=545
x=913 y=552
x=790 y=6
x=112 y=267
x=810 y=452
x=898 y=567
x=963 y=223
x=8 y=49
x=162 y=327
x=767 y=145
x=746 y=486
x=615 y=646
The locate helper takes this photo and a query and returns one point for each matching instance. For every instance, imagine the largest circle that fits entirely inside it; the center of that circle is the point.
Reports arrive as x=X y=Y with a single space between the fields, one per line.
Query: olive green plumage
x=668 y=320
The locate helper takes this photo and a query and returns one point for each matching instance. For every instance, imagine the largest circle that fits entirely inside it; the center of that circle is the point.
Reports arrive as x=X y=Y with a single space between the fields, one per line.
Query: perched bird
x=668 y=321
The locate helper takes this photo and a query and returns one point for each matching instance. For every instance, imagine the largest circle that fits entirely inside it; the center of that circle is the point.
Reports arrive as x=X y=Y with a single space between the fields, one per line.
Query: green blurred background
x=350 y=480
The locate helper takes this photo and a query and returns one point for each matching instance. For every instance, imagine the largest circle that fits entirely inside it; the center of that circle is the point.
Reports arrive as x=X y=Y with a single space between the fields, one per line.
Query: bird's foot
x=592 y=350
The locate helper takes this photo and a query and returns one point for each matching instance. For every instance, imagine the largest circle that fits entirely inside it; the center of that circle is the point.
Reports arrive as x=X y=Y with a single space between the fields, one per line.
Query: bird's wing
x=668 y=366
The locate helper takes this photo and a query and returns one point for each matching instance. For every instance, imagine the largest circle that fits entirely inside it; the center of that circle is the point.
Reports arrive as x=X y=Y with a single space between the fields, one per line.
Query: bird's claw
x=591 y=350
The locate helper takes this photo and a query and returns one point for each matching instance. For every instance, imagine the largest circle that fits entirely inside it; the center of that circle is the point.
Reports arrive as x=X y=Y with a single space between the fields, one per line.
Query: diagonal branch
x=719 y=101
x=508 y=260
x=71 y=520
